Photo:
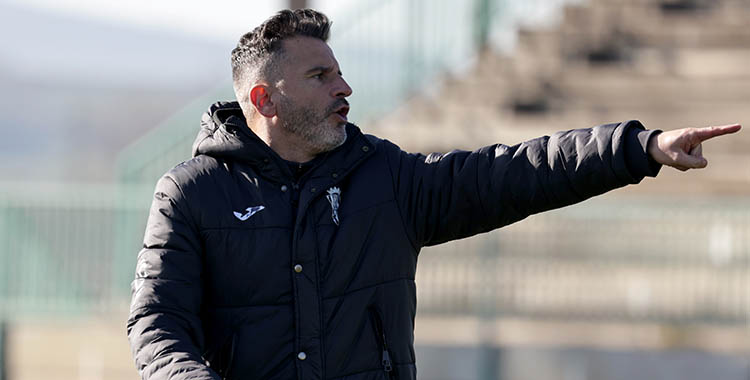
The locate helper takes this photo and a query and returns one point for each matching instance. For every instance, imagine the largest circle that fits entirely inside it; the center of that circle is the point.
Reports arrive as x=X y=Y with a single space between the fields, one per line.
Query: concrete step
x=577 y=289
x=468 y=331
x=664 y=111
x=718 y=73
x=721 y=25
x=613 y=87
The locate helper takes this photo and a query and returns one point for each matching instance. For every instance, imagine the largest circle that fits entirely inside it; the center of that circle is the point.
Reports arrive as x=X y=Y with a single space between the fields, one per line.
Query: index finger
x=708 y=132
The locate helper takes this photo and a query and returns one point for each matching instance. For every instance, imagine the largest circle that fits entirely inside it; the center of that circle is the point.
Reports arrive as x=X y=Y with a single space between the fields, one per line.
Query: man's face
x=310 y=103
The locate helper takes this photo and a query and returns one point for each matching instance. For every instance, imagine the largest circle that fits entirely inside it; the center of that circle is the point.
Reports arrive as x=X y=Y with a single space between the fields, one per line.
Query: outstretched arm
x=681 y=148
x=450 y=196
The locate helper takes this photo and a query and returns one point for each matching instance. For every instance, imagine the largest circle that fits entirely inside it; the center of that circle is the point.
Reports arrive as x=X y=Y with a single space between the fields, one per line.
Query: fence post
x=414 y=53
x=488 y=351
x=3 y=350
x=483 y=16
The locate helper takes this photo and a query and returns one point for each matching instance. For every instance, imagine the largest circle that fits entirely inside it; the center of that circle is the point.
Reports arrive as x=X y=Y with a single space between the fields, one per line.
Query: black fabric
x=299 y=169
x=216 y=296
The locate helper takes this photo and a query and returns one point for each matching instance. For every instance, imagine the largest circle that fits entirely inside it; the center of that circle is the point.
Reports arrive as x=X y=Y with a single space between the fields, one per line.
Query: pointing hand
x=681 y=148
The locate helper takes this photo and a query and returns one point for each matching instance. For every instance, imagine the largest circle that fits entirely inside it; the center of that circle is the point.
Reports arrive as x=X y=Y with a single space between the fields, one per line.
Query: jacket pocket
x=385 y=358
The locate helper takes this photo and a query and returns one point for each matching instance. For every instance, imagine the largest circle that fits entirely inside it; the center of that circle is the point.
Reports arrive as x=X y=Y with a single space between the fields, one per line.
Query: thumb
x=697 y=151
x=691 y=161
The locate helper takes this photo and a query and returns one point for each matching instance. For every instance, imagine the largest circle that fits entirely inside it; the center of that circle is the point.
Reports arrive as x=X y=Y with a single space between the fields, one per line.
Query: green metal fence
x=65 y=249
x=663 y=259
x=71 y=250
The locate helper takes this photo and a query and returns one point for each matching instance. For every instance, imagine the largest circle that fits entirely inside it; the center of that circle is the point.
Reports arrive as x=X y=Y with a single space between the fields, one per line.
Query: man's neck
x=286 y=145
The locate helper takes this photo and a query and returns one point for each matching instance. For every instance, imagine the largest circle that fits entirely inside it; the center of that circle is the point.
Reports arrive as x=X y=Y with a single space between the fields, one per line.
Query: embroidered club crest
x=334 y=198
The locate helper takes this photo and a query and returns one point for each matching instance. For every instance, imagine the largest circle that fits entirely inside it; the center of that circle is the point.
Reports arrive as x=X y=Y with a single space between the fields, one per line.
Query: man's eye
x=318 y=76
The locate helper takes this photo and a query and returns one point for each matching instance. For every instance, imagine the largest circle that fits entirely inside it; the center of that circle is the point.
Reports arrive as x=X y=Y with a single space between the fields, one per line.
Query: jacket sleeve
x=164 y=329
x=459 y=194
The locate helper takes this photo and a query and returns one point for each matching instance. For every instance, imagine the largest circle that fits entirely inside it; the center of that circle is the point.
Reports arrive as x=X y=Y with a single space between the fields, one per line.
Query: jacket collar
x=224 y=134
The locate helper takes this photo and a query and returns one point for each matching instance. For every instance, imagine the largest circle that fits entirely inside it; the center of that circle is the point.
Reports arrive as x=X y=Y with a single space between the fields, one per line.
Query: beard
x=314 y=128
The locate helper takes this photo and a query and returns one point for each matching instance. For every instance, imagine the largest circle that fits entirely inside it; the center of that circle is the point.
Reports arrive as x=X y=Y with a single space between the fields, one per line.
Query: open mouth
x=342 y=111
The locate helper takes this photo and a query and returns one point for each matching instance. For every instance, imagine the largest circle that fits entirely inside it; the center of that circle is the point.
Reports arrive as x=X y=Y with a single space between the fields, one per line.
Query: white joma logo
x=250 y=212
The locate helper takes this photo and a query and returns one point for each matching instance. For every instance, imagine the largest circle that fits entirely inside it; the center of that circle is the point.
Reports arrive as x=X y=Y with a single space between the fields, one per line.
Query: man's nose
x=341 y=89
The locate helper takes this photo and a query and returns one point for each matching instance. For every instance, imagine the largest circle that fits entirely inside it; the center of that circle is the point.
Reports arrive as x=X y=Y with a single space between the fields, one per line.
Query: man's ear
x=261 y=100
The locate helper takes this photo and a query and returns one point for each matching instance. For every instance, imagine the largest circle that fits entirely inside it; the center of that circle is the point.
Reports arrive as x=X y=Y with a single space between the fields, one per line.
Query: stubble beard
x=314 y=128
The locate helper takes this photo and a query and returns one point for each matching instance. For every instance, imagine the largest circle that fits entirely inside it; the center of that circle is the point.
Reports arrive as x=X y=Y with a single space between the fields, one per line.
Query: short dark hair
x=256 y=50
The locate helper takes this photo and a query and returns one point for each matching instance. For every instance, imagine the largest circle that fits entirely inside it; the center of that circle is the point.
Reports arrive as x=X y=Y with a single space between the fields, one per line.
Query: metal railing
x=71 y=250
x=68 y=249
x=670 y=260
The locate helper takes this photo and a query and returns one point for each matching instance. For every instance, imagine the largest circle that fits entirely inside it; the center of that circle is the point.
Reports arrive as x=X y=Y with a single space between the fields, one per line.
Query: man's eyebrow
x=324 y=69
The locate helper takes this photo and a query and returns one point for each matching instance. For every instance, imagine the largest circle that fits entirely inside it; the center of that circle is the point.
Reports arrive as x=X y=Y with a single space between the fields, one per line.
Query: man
x=287 y=247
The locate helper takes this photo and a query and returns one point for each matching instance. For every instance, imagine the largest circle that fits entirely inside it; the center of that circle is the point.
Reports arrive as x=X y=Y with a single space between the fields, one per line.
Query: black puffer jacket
x=227 y=289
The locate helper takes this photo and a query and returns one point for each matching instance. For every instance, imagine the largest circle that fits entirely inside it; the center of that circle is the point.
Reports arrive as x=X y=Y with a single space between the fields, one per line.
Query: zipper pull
x=387 y=361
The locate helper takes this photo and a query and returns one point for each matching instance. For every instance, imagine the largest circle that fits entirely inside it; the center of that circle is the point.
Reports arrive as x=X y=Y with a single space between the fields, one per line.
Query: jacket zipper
x=380 y=331
x=231 y=358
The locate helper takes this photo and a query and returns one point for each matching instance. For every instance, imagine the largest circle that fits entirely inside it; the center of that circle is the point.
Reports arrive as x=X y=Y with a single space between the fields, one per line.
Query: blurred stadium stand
x=654 y=276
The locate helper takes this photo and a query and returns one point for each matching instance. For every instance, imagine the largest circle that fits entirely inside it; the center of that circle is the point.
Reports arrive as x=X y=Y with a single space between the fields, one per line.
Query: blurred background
x=647 y=282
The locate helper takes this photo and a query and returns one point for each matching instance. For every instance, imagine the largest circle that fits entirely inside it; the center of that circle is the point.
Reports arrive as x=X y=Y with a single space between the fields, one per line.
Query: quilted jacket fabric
x=246 y=273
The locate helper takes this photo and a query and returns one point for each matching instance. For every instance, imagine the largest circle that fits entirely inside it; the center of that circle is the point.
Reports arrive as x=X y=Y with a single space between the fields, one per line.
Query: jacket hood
x=224 y=133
